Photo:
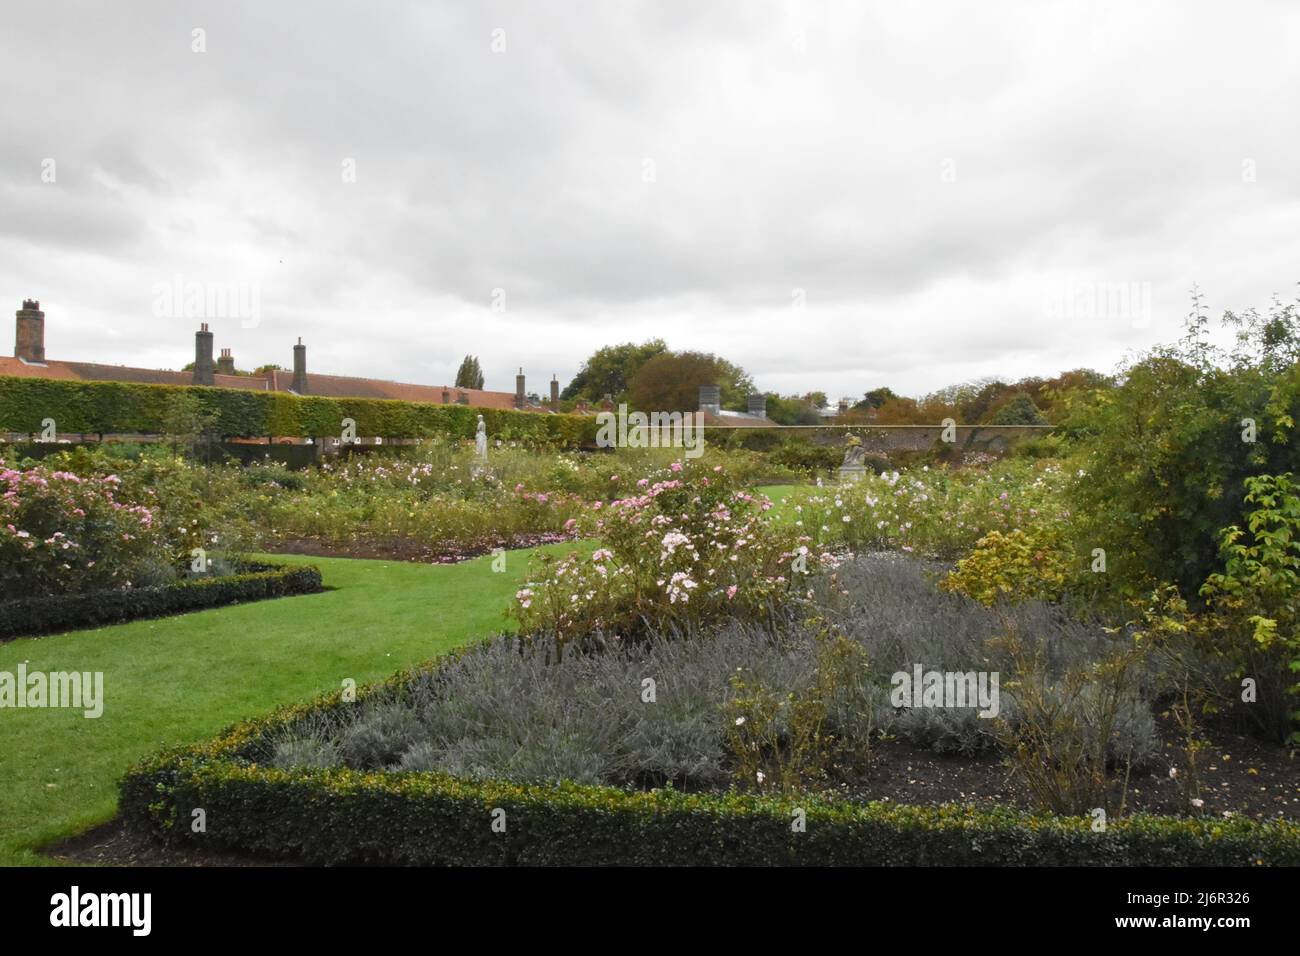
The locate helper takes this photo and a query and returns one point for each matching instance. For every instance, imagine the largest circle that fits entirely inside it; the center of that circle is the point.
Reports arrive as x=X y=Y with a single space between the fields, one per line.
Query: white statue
x=480 y=441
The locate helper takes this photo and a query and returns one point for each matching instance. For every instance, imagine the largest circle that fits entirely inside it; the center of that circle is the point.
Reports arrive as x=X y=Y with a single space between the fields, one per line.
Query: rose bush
x=61 y=533
x=687 y=548
x=934 y=512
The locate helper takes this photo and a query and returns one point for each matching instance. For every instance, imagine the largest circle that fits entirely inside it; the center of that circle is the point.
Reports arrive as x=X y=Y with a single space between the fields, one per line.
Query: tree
x=1020 y=410
x=469 y=375
x=792 y=410
x=190 y=426
x=875 y=398
x=610 y=369
x=671 y=382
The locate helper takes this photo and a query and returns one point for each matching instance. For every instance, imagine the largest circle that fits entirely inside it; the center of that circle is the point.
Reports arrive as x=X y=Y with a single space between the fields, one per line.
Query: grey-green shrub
x=507 y=709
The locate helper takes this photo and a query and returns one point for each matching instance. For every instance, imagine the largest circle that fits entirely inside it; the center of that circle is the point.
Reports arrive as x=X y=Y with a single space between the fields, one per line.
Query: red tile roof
x=329 y=386
x=736 y=420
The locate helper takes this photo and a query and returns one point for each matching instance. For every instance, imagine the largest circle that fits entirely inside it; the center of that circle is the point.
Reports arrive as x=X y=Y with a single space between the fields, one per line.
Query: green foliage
x=1018 y=410
x=1014 y=566
x=671 y=382
x=609 y=371
x=792 y=410
x=1256 y=598
x=47 y=615
x=120 y=407
x=470 y=373
x=1169 y=450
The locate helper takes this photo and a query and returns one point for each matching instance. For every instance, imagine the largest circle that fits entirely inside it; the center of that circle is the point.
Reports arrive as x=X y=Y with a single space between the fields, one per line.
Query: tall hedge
x=127 y=407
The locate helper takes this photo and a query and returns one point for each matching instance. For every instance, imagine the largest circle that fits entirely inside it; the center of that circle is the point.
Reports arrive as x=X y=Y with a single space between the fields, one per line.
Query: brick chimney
x=519 y=390
x=226 y=363
x=555 y=393
x=757 y=405
x=203 y=365
x=711 y=399
x=300 y=368
x=844 y=406
x=29 y=332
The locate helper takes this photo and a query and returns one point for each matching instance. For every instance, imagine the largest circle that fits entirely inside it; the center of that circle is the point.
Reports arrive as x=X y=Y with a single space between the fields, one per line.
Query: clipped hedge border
x=339 y=816
x=132 y=407
x=255 y=582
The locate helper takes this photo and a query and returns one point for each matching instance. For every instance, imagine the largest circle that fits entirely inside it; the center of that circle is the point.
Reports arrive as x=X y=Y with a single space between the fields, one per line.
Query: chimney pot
x=29 y=332
x=204 y=367
x=711 y=399
x=300 y=368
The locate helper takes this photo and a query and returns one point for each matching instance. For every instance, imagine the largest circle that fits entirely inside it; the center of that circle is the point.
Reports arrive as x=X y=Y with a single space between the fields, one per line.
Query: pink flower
x=731 y=592
x=676 y=466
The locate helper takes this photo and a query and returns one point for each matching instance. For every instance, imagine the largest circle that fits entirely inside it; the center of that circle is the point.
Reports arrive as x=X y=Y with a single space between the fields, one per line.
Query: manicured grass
x=183 y=679
x=778 y=493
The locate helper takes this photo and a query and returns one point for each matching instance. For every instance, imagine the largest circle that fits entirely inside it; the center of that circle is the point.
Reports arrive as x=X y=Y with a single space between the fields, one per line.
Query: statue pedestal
x=850 y=473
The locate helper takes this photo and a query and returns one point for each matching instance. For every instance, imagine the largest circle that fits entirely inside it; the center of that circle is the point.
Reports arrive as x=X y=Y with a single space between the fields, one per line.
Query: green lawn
x=182 y=679
x=778 y=493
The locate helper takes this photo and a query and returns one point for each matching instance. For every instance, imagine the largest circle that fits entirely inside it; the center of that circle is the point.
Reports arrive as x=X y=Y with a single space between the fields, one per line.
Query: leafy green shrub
x=1168 y=451
x=1256 y=600
x=1018 y=410
x=1013 y=566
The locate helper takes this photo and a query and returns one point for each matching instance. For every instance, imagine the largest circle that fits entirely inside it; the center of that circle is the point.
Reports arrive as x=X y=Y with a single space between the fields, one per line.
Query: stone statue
x=480 y=441
x=854 y=466
x=854 y=455
x=479 y=467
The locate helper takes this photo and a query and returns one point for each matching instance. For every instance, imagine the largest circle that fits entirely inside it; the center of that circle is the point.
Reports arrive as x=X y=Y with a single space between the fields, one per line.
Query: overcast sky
x=836 y=196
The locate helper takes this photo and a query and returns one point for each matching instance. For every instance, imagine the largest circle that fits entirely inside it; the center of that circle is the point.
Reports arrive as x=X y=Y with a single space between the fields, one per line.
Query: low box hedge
x=339 y=816
x=254 y=582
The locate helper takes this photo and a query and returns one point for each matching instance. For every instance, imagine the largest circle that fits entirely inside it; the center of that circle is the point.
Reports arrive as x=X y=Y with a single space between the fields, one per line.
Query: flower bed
x=687 y=548
x=343 y=816
x=932 y=511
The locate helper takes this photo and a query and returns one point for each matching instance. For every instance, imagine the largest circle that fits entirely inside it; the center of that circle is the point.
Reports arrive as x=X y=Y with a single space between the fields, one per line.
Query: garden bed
x=562 y=739
x=252 y=582
x=341 y=816
x=411 y=549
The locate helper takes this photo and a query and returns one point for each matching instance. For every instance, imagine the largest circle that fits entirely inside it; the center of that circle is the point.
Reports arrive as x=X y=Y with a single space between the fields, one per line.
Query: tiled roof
x=343 y=386
x=729 y=419
x=329 y=386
